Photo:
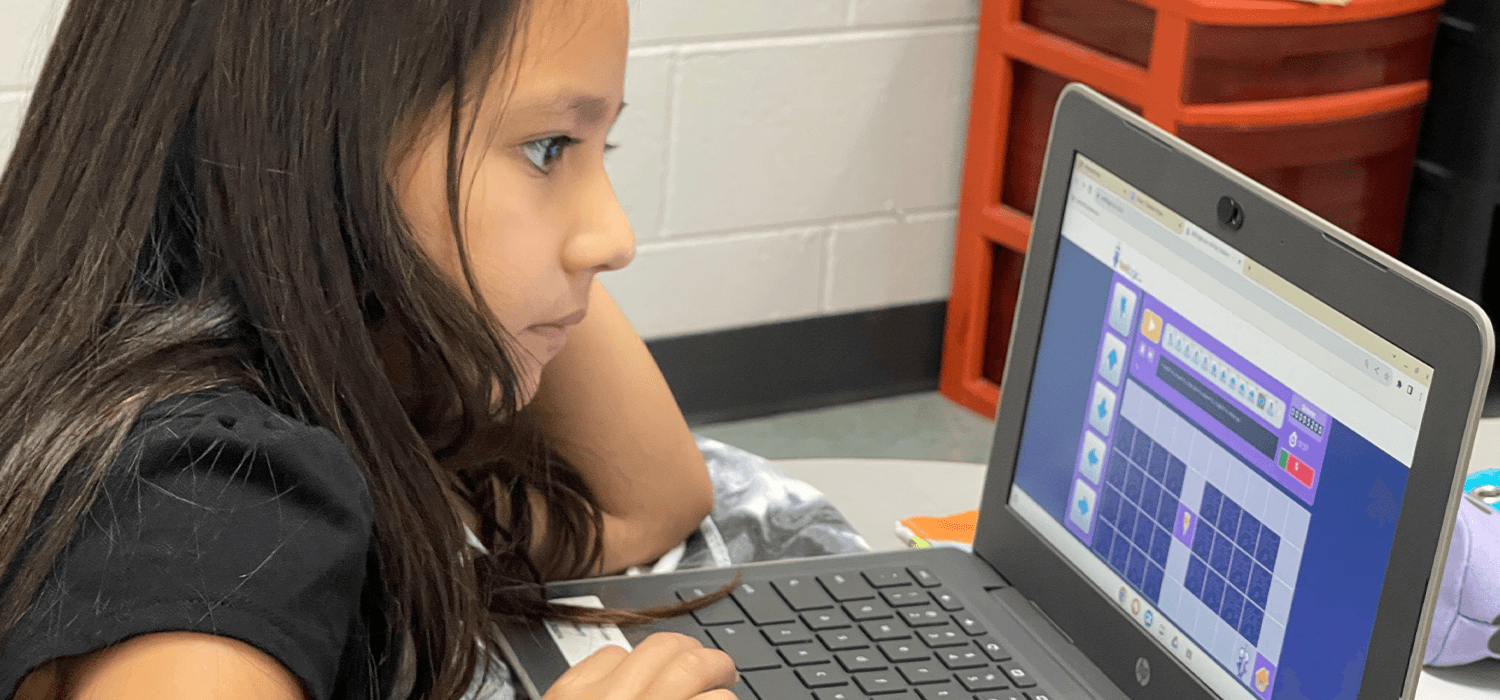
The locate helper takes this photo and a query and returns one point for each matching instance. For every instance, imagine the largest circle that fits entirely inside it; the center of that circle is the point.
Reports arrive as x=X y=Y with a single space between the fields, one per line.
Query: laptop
x=1227 y=457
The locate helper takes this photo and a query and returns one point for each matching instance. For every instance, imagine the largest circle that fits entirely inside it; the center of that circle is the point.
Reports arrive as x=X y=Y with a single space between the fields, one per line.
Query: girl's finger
x=693 y=673
x=590 y=671
x=638 y=670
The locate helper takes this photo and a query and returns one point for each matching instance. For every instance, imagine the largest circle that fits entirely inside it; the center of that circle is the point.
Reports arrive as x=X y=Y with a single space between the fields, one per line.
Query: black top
x=225 y=517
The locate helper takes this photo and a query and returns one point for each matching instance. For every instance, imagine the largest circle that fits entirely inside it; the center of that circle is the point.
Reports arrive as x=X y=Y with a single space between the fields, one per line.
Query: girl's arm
x=192 y=666
x=165 y=666
x=607 y=409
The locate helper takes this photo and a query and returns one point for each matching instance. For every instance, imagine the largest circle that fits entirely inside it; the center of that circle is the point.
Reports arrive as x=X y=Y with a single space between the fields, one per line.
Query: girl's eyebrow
x=589 y=109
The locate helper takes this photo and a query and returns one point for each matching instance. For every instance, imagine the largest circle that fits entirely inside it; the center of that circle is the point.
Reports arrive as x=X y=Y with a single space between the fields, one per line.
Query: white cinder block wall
x=780 y=159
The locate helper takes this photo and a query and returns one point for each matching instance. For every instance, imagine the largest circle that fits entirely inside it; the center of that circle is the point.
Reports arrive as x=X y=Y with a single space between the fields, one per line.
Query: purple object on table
x=1466 y=623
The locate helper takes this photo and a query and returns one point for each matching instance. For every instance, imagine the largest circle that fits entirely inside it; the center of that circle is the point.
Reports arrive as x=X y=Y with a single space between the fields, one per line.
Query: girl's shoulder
x=236 y=430
x=224 y=516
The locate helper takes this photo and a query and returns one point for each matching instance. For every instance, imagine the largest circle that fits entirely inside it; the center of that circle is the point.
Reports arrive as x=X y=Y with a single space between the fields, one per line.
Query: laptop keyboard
x=885 y=633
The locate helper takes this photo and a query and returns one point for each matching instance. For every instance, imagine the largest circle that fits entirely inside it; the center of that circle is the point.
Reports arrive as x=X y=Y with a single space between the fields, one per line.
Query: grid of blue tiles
x=1212 y=469
x=1230 y=568
x=1142 y=486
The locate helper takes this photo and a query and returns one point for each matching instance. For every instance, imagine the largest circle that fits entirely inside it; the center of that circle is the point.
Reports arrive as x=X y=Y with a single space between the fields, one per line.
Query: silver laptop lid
x=1216 y=451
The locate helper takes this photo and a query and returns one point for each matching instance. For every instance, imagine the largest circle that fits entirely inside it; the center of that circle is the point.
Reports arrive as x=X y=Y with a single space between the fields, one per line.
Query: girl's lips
x=572 y=319
x=555 y=333
x=555 y=336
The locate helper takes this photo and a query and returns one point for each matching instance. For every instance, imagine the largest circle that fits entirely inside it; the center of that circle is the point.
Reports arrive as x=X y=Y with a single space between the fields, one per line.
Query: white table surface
x=875 y=493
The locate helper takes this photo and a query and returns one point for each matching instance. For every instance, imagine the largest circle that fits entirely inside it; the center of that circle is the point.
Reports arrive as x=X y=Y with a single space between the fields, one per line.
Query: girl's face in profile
x=540 y=217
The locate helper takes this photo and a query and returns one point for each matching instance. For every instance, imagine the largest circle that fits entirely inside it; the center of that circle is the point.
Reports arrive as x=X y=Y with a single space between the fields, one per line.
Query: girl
x=305 y=378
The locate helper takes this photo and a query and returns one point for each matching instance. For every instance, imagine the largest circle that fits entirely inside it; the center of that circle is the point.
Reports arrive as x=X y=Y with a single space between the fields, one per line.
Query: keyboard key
x=825 y=620
x=776 y=683
x=803 y=593
x=945 y=636
x=838 y=694
x=804 y=654
x=879 y=682
x=958 y=659
x=863 y=660
x=905 y=651
x=762 y=604
x=786 y=634
x=923 y=617
x=845 y=587
x=1001 y=695
x=742 y=691
x=683 y=625
x=970 y=624
x=825 y=676
x=887 y=578
x=941 y=691
x=885 y=631
x=923 y=576
x=869 y=610
x=946 y=600
x=724 y=612
x=898 y=597
x=993 y=649
x=982 y=679
x=1017 y=675
x=1034 y=695
x=745 y=645
x=839 y=640
x=923 y=672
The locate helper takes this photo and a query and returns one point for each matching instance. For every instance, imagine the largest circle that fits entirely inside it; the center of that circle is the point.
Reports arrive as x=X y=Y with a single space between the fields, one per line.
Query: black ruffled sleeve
x=221 y=516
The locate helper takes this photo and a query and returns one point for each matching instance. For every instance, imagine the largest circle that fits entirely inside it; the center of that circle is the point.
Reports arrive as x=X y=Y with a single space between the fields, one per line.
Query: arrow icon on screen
x=1114 y=359
x=1083 y=506
x=1093 y=458
x=1103 y=409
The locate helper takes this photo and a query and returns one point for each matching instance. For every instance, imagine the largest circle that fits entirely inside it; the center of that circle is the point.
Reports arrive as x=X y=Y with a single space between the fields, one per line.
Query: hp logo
x=1142 y=671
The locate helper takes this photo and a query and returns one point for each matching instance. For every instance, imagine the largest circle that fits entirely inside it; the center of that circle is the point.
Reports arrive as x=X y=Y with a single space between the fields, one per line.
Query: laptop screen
x=1218 y=451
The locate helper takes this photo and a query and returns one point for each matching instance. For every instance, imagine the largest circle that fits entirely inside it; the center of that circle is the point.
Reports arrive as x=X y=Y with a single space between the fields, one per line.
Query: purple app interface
x=1173 y=484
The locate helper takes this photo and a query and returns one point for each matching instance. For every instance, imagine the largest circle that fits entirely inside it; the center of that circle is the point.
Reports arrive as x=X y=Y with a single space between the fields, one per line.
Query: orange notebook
x=955 y=530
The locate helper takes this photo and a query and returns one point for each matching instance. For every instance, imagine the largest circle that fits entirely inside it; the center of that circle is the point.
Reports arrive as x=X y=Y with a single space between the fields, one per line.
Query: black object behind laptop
x=1228 y=448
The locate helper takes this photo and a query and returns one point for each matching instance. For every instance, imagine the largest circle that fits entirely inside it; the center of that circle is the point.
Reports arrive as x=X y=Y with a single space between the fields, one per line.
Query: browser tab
x=1206 y=243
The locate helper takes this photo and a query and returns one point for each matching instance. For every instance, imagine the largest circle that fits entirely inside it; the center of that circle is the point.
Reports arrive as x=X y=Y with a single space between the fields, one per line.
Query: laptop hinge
x=1048 y=618
x=995 y=593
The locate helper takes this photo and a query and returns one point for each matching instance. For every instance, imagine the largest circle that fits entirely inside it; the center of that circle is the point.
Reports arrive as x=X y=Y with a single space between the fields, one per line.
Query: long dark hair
x=201 y=197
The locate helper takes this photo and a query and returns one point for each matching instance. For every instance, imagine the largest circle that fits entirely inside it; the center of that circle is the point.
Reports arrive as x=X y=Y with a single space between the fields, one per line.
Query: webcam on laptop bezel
x=1231 y=214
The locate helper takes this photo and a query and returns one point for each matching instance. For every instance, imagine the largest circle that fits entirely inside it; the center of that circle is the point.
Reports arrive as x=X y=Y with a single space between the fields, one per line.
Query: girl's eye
x=544 y=152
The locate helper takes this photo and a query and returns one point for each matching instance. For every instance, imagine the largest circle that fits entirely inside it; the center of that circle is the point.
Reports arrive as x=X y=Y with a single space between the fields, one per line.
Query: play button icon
x=1151 y=326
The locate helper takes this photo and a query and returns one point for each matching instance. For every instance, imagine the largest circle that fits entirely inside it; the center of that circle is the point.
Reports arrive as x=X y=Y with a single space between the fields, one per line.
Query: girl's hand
x=666 y=666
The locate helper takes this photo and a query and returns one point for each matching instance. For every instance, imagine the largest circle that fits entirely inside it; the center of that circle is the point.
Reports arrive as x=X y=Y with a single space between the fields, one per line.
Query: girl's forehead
x=571 y=57
x=576 y=26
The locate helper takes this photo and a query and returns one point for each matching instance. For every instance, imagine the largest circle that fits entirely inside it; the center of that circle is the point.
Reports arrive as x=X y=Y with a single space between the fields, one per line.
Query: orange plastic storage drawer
x=1119 y=28
x=1236 y=64
x=1322 y=104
